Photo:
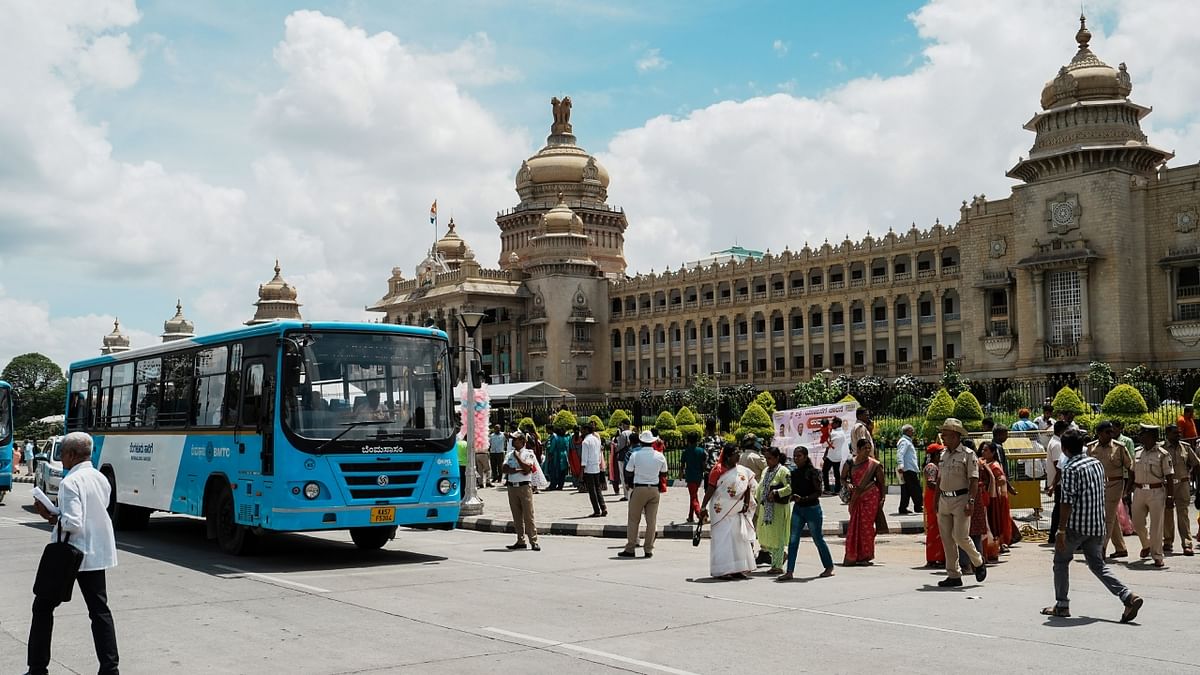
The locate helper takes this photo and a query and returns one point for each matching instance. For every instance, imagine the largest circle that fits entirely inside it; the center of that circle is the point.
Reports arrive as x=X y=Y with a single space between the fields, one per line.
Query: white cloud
x=780 y=47
x=108 y=63
x=360 y=135
x=31 y=327
x=651 y=60
x=880 y=152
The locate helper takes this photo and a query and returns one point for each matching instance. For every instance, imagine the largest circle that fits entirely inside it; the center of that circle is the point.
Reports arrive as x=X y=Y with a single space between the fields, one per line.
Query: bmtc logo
x=382 y=481
x=208 y=451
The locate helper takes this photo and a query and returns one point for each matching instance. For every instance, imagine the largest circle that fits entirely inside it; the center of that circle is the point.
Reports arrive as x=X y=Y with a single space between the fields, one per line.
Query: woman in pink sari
x=866 y=500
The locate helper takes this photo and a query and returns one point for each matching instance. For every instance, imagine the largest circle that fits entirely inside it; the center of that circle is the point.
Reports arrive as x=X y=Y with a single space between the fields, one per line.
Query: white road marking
x=590 y=651
x=857 y=618
x=128 y=545
x=499 y=567
x=273 y=579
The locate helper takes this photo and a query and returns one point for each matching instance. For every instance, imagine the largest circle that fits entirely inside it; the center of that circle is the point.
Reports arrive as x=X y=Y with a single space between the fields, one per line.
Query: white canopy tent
x=516 y=393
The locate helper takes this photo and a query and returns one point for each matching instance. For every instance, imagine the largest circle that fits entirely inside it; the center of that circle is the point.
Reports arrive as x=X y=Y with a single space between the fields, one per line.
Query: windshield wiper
x=350 y=426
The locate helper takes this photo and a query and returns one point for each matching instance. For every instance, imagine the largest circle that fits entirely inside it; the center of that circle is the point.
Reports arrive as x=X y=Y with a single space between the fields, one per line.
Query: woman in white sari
x=731 y=547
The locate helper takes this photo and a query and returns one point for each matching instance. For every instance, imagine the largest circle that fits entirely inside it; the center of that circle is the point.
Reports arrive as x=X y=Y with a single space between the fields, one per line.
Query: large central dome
x=562 y=166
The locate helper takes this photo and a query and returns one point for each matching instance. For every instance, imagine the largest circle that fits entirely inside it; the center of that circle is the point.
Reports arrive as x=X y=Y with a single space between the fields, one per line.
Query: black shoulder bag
x=56 y=572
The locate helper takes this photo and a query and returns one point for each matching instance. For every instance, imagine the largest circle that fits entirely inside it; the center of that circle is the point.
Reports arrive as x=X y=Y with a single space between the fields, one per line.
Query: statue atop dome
x=562 y=115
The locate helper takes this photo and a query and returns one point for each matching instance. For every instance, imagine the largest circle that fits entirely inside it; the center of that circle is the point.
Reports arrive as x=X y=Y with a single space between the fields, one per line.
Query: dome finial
x=1084 y=36
x=277 y=268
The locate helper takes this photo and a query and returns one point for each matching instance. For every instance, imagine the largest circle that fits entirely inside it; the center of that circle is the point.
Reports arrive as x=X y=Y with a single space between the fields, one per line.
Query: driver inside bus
x=372 y=409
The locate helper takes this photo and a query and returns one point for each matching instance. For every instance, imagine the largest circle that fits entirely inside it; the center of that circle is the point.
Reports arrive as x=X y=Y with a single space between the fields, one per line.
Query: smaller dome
x=451 y=246
x=1086 y=77
x=116 y=341
x=178 y=327
x=276 y=288
x=561 y=219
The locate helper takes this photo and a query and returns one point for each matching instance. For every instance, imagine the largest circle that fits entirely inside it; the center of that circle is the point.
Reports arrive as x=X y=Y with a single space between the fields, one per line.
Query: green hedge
x=940 y=407
x=1068 y=400
x=564 y=419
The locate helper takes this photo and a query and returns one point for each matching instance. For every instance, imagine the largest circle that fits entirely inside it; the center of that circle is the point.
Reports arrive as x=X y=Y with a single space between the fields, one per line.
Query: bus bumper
x=423 y=514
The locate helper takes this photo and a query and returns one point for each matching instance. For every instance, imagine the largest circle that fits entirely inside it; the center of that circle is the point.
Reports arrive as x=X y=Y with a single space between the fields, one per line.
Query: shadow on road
x=180 y=540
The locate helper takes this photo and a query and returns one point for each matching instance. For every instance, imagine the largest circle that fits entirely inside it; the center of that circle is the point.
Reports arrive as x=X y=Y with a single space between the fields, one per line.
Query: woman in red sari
x=935 y=555
x=866 y=477
x=999 y=515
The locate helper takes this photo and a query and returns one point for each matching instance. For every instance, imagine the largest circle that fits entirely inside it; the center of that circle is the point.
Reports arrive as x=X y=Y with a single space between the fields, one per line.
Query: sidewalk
x=568 y=512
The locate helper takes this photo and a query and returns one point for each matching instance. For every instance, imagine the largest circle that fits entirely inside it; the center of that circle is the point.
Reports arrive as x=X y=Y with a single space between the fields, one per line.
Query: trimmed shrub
x=665 y=421
x=755 y=421
x=1196 y=398
x=1125 y=403
x=564 y=419
x=1068 y=400
x=1149 y=393
x=967 y=408
x=521 y=423
x=685 y=417
x=597 y=423
x=617 y=417
x=767 y=401
x=940 y=407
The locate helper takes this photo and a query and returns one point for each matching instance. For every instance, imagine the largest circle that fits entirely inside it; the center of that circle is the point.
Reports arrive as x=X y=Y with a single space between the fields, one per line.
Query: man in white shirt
x=1054 y=455
x=518 y=470
x=591 y=456
x=839 y=450
x=83 y=522
x=648 y=468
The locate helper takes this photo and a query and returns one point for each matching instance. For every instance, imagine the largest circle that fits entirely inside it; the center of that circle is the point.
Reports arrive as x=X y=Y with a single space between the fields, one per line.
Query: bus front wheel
x=233 y=538
x=372 y=538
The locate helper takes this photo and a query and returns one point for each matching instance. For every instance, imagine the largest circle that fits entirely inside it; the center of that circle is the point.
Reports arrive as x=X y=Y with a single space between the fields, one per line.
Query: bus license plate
x=383 y=514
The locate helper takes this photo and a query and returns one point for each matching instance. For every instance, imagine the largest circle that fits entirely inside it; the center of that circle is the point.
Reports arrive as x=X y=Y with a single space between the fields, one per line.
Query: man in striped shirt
x=1081 y=507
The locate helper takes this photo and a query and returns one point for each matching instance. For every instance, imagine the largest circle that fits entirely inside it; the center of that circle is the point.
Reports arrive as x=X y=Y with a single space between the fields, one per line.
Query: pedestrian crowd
x=757 y=502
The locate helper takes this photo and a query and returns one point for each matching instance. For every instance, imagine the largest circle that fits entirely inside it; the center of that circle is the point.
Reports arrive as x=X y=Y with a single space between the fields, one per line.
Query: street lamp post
x=471 y=505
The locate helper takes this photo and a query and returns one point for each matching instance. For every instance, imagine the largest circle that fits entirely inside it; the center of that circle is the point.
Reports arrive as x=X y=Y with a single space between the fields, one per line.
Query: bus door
x=255 y=441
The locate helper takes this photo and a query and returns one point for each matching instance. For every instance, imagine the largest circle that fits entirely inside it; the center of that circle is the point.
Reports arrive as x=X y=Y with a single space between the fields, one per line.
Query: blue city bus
x=287 y=427
x=6 y=439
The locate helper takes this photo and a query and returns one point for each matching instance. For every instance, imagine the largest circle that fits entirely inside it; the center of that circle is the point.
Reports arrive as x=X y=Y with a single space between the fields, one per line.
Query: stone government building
x=1027 y=286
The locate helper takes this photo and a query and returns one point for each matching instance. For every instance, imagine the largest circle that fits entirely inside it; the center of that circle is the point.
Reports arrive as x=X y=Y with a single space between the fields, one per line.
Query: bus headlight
x=312 y=490
x=444 y=486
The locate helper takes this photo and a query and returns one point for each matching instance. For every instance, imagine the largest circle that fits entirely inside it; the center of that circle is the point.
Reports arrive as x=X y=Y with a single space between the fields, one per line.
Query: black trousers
x=104 y=634
x=1054 y=517
x=496 y=459
x=911 y=489
x=595 y=484
x=827 y=467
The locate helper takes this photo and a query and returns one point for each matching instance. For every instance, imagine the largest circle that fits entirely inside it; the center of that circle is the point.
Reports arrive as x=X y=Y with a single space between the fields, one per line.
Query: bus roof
x=273 y=328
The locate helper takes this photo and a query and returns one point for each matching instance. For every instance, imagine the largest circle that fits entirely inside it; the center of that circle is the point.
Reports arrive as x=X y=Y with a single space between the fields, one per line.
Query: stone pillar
x=1084 y=318
x=787 y=345
x=827 y=338
x=893 y=345
x=869 y=322
x=1039 y=308
x=939 y=323
x=512 y=354
x=848 y=326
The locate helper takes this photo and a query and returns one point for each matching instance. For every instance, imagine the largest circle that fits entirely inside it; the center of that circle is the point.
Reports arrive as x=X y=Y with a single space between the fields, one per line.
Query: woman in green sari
x=774 y=509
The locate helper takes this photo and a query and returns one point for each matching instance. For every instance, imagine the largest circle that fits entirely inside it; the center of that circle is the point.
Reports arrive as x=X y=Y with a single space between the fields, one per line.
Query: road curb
x=572 y=529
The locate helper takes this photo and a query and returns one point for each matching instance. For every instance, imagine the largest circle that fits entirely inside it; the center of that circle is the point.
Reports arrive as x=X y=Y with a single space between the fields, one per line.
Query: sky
x=168 y=149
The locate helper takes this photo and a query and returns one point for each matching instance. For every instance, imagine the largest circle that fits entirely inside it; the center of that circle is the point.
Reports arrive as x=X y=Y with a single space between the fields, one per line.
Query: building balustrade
x=1062 y=350
x=949 y=270
x=902 y=276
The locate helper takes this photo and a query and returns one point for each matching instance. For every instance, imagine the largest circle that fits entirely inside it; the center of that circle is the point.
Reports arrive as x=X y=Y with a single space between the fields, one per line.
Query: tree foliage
x=904 y=405
x=1101 y=378
x=767 y=401
x=813 y=392
x=702 y=395
x=617 y=417
x=674 y=397
x=909 y=385
x=953 y=381
x=1012 y=400
x=39 y=388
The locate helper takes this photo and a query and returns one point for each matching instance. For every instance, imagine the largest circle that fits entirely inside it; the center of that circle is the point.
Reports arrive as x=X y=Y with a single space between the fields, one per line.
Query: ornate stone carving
x=562 y=115
x=590 y=172
x=998 y=345
x=1062 y=213
x=1123 y=76
x=1186 y=220
x=525 y=175
x=1187 y=332
x=998 y=247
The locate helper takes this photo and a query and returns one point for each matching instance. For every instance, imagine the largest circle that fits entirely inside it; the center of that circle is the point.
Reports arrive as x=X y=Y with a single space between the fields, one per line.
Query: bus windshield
x=5 y=416
x=366 y=387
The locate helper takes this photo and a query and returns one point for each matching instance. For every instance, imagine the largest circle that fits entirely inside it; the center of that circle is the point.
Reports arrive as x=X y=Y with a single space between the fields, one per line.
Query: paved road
x=457 y=602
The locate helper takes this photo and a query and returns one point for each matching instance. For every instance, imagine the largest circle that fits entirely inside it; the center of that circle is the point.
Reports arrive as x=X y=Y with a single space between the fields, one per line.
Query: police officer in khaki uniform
x=1153 y=475
x=958 y=486
x=1117 y=463
x=1186 y=462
